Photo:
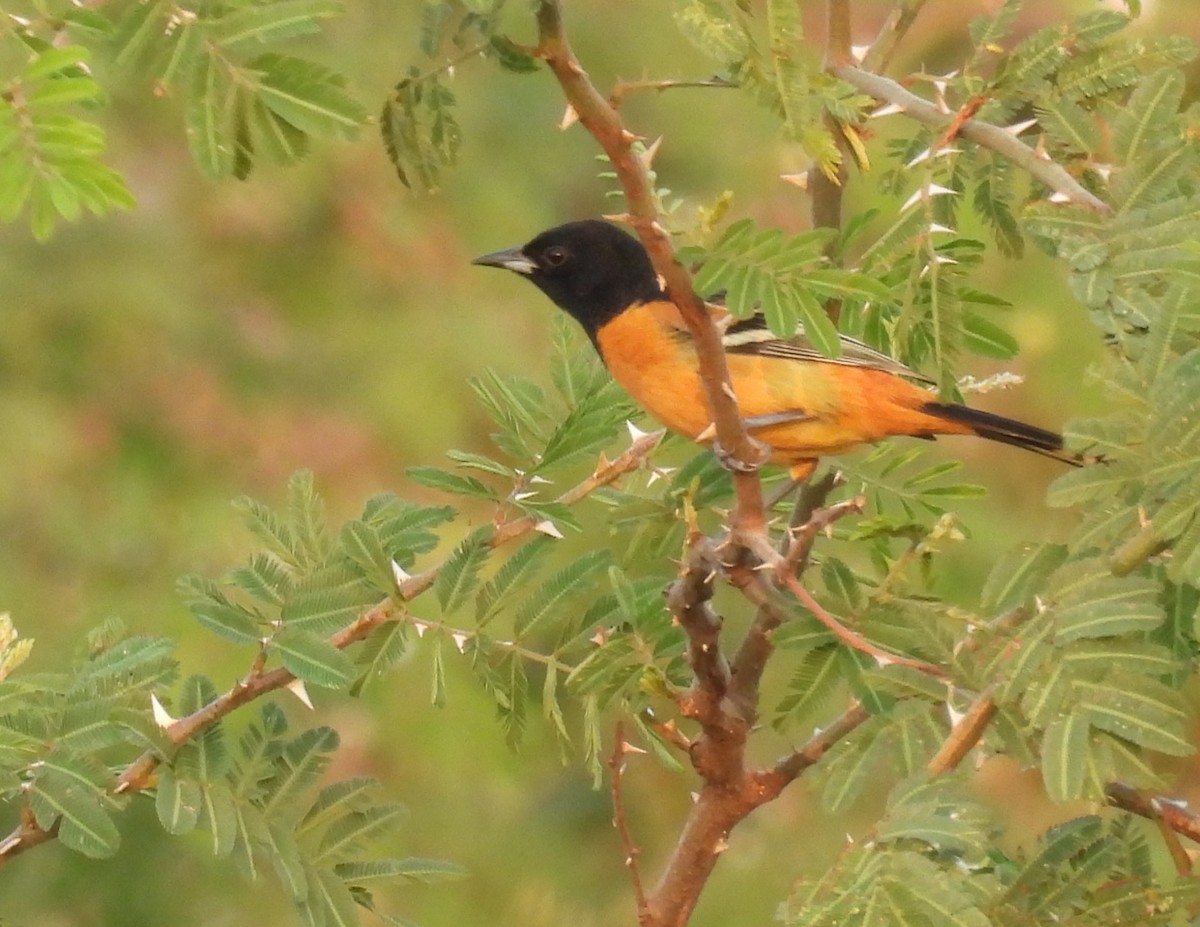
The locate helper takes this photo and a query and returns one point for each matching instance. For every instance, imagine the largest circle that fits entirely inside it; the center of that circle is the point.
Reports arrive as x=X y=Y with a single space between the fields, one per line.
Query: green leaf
x=412 y=869
x=512 y=572
x=1107 y=606
x=1064 y=755
x=1147 y=120
x=549 y=596
x=382 y=649
x=436 y=478
x=214 y=107
x=512 y=57
x=295 y=770
x=1138 y=710
x=812 y=686
x=312 y=659
x=219 y=816
x=334 y=899
x=362 y=544
x=349 y=833
x=177 y=802
x=459 y=574
x=286 y=858
x=67 y=792
x=329 y=599
x=217 y=613
x=136 y=663
x=310 y=97
x=271 y=22
x=985 y=338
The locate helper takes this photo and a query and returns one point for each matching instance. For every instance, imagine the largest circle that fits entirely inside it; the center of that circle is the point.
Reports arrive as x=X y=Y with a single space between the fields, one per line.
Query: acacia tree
x=1073 y=659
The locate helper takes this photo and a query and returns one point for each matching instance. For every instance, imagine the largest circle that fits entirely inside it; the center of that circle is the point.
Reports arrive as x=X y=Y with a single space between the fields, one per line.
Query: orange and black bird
x=801 y=404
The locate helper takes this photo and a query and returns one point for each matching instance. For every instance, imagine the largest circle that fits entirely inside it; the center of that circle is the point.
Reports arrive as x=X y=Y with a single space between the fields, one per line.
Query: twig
x=772 y=781
x=850 y=637
x=964 y=735
x=756 y=648
x=717 y=754
x=1172 y=812
x=895 y=27
x=616 y=765
x=604 y=124
x=984 y=134
x=624 y=88
x=258 y=682
x=803 y=538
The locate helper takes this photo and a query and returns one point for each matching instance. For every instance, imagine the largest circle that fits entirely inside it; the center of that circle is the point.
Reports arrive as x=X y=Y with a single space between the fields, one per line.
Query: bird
x=801 y=404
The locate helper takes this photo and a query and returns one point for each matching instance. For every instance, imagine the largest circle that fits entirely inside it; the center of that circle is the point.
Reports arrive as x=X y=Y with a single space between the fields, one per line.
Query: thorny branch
x=984 y=134
x=602 y=121
x=616 y=767
x=258 y=681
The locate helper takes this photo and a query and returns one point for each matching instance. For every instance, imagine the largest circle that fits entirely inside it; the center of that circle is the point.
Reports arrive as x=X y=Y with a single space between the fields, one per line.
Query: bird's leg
x=735 y=464
x=753 y=423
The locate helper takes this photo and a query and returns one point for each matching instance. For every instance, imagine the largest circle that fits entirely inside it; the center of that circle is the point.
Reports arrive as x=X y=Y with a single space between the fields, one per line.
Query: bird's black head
x=591 y=269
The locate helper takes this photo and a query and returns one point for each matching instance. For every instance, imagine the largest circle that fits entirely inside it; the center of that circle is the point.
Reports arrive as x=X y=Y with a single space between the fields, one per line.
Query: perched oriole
x=801 y=404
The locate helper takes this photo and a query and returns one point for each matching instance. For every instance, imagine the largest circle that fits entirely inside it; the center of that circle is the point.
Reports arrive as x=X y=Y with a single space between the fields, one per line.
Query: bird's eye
x=556 y=256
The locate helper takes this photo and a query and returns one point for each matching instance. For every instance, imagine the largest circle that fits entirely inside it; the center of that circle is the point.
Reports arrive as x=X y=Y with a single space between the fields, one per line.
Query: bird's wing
x=752 y=336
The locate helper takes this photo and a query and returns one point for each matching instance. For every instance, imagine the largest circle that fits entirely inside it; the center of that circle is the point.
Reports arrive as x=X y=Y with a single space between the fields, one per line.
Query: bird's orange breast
x=836 y=407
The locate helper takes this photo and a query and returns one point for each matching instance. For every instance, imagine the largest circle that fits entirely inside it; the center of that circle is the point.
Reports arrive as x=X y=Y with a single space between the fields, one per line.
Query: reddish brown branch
x=1173 y=813
x=616 y=766
x=772 y=781
x=965 y=734
x=604 y=124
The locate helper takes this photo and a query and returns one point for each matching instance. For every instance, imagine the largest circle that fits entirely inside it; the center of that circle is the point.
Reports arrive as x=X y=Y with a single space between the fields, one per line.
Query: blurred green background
x=157 y=364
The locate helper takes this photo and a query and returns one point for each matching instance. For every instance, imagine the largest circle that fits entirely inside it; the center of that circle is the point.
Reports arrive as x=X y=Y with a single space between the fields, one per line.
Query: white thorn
x=926 y=192
x=296 y=687
x=539 y=479
x=1059 y=197
x=934 y=229
x=659 y=473
x=547 y=527
x=796 y=180
x=162 y=717
x=859 y=52
x=1018 y=127
x=400 y=574
x=569 y=118
x=522 y=496
x=953 y=715
x=891 y=109
x=420 y=627
x=635 y=434
x=460 y=641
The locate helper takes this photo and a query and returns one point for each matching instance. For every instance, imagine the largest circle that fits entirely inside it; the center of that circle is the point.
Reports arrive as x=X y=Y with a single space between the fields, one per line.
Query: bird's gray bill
x=510 y=259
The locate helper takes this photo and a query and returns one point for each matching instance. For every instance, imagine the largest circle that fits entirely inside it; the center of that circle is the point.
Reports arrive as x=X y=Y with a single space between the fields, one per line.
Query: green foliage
x=770 y=59
x=930 y=861
x=244 y=101
x=1085 y=647
x=50 y=157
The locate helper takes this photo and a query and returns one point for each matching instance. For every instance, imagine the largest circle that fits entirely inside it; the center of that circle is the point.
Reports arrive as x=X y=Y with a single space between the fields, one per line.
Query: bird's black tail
x=1006 y=431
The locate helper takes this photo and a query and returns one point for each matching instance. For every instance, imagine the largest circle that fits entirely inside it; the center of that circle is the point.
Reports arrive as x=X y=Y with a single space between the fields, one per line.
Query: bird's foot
x=735 y=464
